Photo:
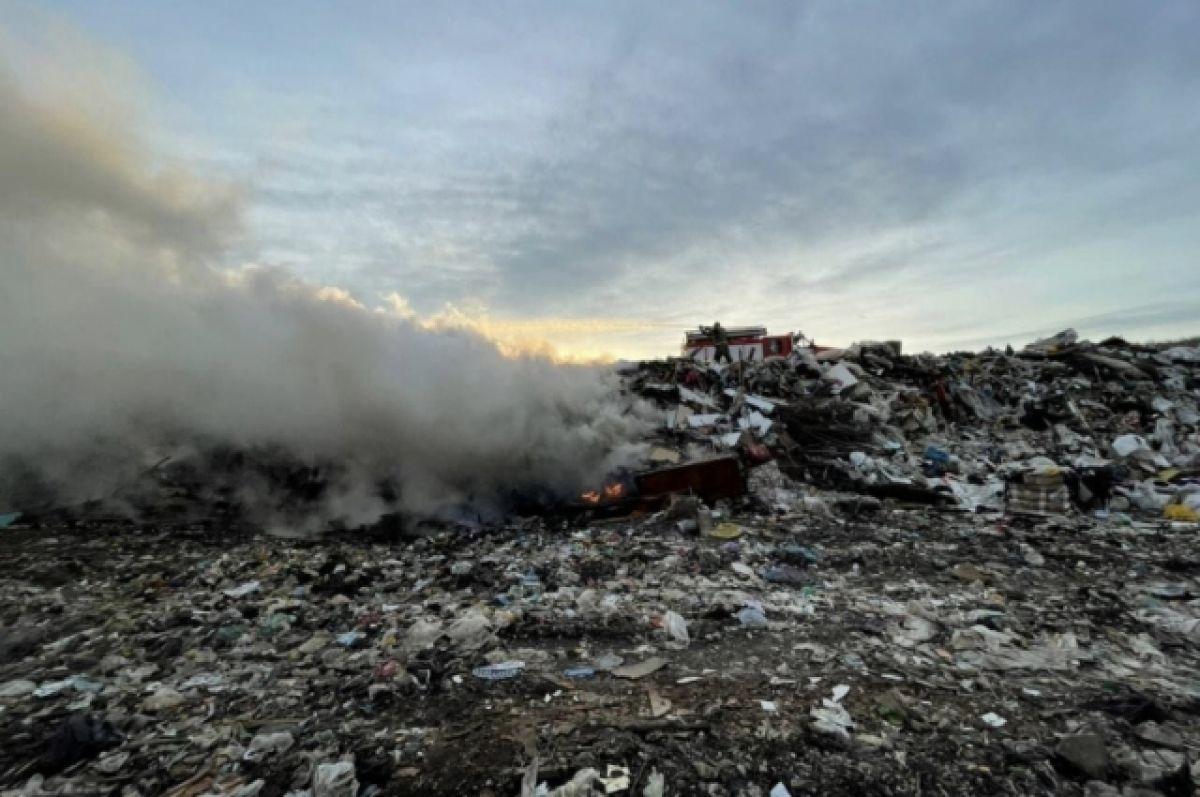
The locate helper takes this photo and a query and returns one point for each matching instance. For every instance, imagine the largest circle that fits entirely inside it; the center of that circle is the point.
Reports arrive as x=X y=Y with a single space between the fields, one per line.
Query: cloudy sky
x=604 y=175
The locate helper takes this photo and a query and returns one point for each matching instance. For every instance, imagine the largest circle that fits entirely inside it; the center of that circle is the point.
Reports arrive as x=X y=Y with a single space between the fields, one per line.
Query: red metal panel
x=710 y=479
x=777 y=346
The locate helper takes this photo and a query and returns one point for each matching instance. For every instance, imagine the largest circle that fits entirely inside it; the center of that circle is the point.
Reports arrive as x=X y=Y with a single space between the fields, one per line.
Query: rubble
x=1086 y=754
x=858 y=571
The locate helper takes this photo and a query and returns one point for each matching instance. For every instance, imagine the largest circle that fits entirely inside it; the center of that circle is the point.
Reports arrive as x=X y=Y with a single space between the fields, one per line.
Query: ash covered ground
x=969 y=574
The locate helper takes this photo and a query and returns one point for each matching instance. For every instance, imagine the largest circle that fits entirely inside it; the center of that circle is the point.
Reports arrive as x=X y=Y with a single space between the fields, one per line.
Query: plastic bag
x=335 y=780
x=676 y=627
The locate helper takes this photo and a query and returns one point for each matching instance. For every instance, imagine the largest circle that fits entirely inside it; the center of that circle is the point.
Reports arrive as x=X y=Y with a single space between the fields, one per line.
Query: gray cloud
x=571 y=160
x=1149 y=316
x=845 y=123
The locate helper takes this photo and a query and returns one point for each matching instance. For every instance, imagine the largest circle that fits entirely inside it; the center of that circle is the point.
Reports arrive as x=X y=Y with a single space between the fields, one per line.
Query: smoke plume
x=126 y=336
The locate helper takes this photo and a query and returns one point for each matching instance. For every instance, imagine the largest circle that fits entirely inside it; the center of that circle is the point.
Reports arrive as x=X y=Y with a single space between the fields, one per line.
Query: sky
x=600 y=177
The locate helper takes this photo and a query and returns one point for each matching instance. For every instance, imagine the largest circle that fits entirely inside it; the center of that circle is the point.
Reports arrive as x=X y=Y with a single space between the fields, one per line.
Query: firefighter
x=721 y=342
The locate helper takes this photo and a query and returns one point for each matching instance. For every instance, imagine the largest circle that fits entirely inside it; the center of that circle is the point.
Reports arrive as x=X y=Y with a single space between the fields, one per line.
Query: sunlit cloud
x=567 y=340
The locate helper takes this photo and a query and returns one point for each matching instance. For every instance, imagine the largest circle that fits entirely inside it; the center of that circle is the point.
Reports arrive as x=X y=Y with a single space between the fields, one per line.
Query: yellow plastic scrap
x=1181 y=512
x=1168 y=474
x=726 y=531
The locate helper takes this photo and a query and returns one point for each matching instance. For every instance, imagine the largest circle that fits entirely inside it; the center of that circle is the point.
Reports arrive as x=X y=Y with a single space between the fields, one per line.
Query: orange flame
x=610 y=492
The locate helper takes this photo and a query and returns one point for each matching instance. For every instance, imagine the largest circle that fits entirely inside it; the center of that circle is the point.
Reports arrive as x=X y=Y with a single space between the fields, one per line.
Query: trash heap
x=849 y=571
x=1062 y=425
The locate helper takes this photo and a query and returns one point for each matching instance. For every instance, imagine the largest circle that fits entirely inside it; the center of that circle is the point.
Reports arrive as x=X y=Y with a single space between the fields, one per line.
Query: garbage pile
x=850 y=571
x=1062 y=425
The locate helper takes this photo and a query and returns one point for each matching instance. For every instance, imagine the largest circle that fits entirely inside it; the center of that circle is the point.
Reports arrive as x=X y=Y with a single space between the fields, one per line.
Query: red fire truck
x=745 y=343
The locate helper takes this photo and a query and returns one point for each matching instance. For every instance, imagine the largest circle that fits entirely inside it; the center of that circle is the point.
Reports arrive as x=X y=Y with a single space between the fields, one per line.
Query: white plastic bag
x=335 y=780
x=676 y=627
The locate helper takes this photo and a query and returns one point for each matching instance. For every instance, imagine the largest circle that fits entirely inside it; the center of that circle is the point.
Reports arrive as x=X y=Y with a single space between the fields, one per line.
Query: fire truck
x=745 y=343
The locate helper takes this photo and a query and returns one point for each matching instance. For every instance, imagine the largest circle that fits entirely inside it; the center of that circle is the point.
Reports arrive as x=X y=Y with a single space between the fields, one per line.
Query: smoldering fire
x=129 y=334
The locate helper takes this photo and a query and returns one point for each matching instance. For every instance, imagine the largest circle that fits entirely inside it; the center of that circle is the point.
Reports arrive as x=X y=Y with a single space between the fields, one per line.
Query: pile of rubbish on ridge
x=1063 y=425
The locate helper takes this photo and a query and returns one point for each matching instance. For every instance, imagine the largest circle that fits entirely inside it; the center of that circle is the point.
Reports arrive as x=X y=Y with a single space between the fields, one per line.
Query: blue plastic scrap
x=499 y=672
x=935 y=454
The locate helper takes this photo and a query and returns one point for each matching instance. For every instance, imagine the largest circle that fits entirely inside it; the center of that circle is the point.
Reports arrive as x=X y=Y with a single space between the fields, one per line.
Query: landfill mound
x=1079 y=425
x=844 y=571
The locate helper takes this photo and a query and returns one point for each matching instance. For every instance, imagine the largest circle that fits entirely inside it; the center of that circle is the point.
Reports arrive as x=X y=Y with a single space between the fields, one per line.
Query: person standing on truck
x=721 y=342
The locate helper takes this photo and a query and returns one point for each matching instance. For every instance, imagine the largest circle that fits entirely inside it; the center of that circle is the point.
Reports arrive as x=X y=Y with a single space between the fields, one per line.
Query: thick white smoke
x=126 y=337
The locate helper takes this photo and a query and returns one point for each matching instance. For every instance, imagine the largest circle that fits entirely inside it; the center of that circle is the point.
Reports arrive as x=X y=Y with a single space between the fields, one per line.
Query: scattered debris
x=993 y=720
x=80 y=737
x=641 y=669
x=857 y=571
x=499 y=672
x=1085 y=754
